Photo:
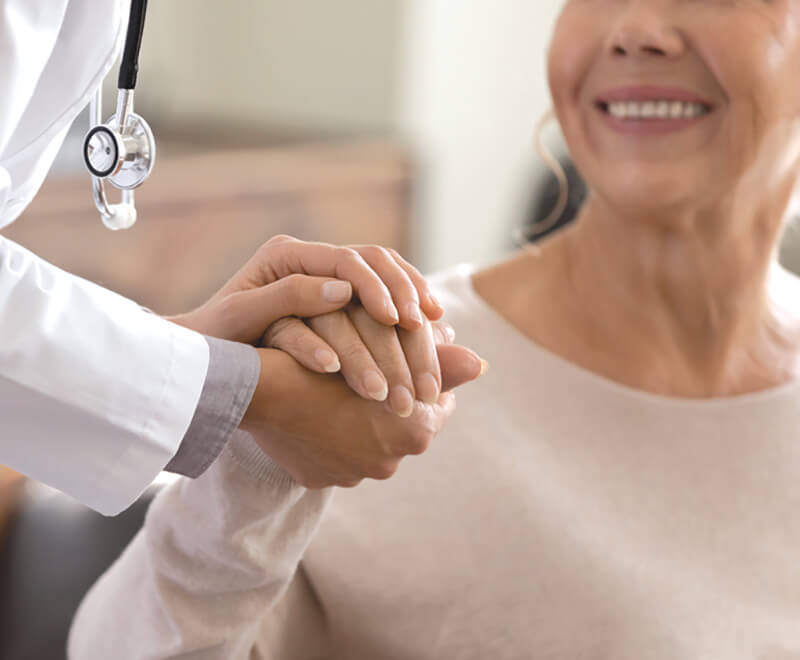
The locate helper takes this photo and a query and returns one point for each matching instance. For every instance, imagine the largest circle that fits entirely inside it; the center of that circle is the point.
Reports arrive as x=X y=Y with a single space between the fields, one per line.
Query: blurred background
x=407 y=123
x=402 y=122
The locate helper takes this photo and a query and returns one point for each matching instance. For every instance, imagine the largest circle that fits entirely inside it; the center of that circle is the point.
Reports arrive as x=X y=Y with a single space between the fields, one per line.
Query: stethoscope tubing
x=129 y=66
x=123 y=128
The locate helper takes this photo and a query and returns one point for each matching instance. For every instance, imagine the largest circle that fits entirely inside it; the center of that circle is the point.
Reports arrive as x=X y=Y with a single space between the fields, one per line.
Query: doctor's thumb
x=301 y=295
x=245 y=316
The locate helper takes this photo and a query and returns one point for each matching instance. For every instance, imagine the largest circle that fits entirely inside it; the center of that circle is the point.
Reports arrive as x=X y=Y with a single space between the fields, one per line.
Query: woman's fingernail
x=337 y=291
x=450 y=332
x=328 y=360
x=427 y=388
x=402 y=401
x=484 y=367
x=375 y=386
x=434 y=300
x=414 y=312
x=392 y=310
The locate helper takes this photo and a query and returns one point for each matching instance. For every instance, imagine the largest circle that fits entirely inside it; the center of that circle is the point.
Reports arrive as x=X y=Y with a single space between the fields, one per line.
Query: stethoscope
x=123 y=150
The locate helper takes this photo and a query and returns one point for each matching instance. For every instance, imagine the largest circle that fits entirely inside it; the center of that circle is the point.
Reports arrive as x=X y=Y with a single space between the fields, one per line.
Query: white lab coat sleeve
x=95 y=393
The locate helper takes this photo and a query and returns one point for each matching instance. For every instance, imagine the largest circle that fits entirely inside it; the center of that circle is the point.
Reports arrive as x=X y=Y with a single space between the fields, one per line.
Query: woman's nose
x=645 y=29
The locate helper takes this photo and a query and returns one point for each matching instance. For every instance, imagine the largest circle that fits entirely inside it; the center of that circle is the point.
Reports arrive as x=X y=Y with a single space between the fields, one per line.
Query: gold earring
x=524 y=236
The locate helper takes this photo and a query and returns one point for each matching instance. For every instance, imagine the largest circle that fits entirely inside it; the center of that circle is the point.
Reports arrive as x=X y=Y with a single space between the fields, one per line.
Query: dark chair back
x=53 y=550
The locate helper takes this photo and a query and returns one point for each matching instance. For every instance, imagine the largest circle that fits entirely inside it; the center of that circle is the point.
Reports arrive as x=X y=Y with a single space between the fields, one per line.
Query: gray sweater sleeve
x=233 y=372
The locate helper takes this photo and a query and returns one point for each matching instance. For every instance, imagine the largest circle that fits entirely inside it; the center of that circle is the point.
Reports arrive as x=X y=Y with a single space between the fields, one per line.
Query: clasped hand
x=327 y=358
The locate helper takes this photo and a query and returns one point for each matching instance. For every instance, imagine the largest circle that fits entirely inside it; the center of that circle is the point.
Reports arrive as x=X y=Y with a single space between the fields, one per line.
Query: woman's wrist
x=248 y=455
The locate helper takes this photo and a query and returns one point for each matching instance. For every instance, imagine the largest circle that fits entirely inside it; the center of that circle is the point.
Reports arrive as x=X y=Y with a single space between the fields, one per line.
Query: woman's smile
x=695 y=103
x=651 y=110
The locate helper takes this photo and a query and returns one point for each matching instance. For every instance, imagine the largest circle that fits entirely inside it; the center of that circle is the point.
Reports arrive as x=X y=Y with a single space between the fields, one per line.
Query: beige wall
x=473 y=89
x=316 y=65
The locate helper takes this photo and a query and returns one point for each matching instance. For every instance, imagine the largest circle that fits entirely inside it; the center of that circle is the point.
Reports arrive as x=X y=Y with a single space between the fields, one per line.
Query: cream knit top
x=558 y=516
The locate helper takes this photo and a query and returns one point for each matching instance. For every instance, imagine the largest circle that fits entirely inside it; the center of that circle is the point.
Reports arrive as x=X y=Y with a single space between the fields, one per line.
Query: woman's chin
x=643 y=197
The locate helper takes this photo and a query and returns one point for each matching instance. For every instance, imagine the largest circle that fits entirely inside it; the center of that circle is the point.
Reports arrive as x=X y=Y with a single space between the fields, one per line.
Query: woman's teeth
x=656 y=110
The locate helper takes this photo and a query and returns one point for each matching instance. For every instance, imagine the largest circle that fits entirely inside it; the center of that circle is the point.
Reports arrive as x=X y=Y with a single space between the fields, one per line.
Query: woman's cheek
x=573 y=29
x=568 y=61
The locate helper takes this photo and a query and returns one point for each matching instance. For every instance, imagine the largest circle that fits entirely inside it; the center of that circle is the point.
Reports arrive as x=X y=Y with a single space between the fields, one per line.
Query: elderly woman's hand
x=347 y=438
x=378 y=362
x=289 y=277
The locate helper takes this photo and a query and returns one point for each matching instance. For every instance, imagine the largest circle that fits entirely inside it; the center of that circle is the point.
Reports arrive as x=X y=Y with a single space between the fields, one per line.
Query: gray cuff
x=233 y=371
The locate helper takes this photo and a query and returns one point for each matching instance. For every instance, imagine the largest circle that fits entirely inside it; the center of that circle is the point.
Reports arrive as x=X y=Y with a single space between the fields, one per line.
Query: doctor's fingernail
x=484 y=367
x=414 y=312
x=376 y=386
x=402 y=401
x=337 y=291
x=427 y=388
x=327 y=360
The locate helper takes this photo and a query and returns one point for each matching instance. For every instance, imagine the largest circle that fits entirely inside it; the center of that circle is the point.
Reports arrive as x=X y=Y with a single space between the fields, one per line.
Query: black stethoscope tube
x=129 y=67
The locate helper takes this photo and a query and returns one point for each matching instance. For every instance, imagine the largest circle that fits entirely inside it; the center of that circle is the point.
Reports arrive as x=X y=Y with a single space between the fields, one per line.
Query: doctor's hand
x=347 y=438
x=289 y=277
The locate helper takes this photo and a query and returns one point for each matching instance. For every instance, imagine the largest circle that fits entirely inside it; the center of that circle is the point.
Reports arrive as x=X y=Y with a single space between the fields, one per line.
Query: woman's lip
x=651 y=93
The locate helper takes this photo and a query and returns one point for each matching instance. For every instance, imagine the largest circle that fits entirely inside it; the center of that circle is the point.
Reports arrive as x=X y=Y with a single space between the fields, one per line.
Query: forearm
x=214 y=555
x=95 y=395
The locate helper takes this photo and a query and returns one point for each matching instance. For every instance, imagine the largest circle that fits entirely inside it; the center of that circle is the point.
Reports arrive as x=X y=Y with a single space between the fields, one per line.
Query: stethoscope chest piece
x=123 y=158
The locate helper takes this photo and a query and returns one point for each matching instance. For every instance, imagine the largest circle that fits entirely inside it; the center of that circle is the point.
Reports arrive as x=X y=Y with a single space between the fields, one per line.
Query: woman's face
x=669 y=103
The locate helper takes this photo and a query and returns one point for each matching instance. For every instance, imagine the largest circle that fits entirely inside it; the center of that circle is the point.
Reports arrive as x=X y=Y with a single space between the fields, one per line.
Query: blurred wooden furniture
x=10 y=488
x=202 y=215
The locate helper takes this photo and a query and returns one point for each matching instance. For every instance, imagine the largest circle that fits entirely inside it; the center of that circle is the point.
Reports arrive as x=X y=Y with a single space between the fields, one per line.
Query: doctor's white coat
x=95 y=394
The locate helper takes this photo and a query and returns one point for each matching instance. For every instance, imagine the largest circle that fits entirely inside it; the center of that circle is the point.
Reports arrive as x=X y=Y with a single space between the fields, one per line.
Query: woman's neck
x=683 y=309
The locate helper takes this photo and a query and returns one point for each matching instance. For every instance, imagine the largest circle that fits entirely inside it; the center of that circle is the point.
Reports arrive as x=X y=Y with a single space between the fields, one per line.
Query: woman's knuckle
x=268 y=338
x=280 y=238
x=419 y=439
x=376 y=252
x=330 y=323
x=419 y=444
x=275 y=333
x=346 y=253
x=297 y=343
x=383 y=470
x=283 y=327
x=352 y=350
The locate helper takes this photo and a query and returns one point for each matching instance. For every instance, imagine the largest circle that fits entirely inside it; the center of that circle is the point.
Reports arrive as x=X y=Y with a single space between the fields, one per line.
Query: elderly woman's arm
x=213 y=558
x=216 y=554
